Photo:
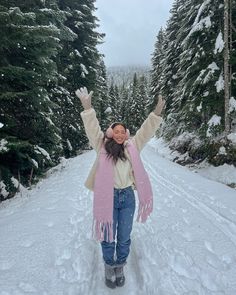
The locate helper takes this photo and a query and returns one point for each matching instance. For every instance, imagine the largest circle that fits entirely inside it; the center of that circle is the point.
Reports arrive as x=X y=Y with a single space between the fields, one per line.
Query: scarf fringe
x=144 y=211
x=103 y=231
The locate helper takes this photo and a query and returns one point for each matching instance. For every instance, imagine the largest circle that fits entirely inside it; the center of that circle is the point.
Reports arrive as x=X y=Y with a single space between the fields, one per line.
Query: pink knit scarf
x=104 y=193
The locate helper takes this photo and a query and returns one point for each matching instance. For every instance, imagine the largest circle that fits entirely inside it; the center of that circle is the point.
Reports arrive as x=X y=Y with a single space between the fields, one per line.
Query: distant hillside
x=125 y=74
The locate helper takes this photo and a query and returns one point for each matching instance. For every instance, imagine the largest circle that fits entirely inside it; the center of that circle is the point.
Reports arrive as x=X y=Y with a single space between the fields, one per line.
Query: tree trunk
x=226 y=65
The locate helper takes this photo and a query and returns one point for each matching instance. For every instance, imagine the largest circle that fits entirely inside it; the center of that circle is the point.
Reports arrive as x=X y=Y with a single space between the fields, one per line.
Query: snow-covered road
x=188 y=246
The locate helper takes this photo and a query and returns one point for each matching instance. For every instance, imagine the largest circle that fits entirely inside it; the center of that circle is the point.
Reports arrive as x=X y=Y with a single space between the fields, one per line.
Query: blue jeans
x=123 y=214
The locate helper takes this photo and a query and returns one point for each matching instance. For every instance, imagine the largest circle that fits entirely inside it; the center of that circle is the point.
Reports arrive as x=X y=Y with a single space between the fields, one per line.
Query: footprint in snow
x=188 y=236
x=65 y=256
x=209 y=246
x=183 y=265
x=211 y=197
x=220 y=205
x=229 y=261
x=209 y=281
x=175 y=227
x=26 y=243
x=50 y=224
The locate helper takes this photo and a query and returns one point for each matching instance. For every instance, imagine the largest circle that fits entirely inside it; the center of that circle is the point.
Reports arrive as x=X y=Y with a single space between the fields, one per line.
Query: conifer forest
x=49 y=48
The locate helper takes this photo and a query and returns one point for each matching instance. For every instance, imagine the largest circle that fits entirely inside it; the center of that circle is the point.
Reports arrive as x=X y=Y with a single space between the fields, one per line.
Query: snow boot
x=120 y=278
x=110 y=277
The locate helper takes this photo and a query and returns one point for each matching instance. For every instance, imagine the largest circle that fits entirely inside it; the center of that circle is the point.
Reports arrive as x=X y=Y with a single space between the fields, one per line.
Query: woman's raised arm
x=91 y=124
x=149 y=126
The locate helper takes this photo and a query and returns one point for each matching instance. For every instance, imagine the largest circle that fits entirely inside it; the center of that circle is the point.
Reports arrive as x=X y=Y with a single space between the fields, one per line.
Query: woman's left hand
x=160 y=105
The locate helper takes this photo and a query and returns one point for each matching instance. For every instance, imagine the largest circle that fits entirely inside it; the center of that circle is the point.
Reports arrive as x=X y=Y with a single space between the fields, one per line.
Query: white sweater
x=123 y=175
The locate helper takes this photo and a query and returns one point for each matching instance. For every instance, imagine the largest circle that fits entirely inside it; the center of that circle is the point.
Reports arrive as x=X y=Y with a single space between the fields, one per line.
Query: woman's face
x=119 y=134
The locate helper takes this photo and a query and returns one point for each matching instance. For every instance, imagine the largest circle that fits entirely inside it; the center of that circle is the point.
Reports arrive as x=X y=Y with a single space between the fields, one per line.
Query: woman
x=117 y=171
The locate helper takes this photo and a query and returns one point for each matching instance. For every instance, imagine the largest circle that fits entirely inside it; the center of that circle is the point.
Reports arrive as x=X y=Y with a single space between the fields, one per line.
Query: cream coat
x=96 y=136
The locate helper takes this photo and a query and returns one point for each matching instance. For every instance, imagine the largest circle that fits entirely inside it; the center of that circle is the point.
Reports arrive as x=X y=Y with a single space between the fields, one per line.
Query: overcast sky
x=131 y=27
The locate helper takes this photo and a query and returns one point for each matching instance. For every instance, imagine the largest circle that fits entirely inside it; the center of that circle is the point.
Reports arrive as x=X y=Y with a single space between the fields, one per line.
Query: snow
x=1 y=125
x=205 y=22
x=219 y=45
x=212 y=67
x=214 y=121
x=3 y=143
x=200 y=11
x=232 y=137
x=15 y=182
x=42 y=151
x=108 y=110
x=72 y=127
x=3 y=189
x=199 y=23
x=77 y=53
x=232 y=104
x=50 y=121
x=199 y=108
x=220 y=83
x=225 y=174
x=84 y=69
x=222 y=151
x=69 y=145
x=35 y=163
x=186 y=247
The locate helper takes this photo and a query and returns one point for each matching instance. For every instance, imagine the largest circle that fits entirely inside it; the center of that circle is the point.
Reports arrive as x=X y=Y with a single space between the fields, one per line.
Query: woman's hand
x=84 y=97
x=160 y=105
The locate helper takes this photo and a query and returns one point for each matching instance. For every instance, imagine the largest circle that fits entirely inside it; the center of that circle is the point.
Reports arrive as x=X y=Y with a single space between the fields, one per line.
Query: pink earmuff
x=109 y=133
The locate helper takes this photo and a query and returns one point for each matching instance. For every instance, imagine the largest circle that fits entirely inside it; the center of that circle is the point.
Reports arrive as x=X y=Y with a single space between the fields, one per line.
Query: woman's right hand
x=84 y=97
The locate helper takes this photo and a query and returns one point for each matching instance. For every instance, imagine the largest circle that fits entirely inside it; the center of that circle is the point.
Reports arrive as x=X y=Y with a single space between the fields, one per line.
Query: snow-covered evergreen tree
x=202 y=63
x=192 y=76
x=101 y=103
x=79 y=65
x=48 y=50
x=31 y=140
x=157 y=70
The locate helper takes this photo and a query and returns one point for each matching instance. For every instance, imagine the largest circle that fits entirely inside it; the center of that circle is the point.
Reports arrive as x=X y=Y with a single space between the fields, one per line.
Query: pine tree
x=124 y=99
x=192 y=82
x=79 y=65
x=233 y=63
x=202 y=63
x=27 y=49
x=144 y=100
x=101 y=103
x=133 y=105
x=111 y=111
x=157 y=68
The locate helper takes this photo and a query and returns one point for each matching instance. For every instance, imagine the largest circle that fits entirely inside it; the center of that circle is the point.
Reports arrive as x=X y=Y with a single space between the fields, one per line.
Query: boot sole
x=110 y=284
x=120 y=284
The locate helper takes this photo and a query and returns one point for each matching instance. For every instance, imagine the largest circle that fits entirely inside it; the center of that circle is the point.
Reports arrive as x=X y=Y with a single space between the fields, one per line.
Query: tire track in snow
x=182 y=269
x=208 y=212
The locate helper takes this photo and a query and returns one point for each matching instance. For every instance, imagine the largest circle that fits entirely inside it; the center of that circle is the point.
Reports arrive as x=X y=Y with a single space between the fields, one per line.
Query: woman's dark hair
x=115 y=150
